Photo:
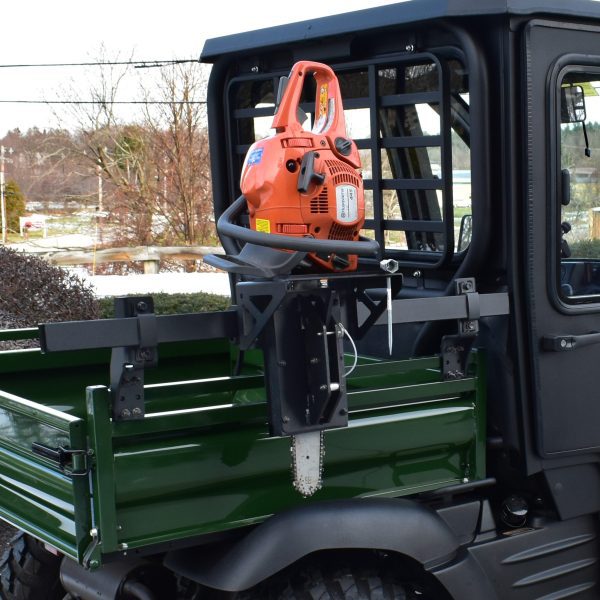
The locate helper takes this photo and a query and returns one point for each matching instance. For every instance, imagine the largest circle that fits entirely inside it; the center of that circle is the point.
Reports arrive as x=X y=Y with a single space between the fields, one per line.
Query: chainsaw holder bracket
x=297 y=326
x=258 y=301
x=375 y=306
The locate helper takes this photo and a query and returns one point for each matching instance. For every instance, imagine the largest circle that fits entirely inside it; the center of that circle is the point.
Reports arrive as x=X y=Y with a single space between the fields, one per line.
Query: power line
x=101 y=102
x=138 y=64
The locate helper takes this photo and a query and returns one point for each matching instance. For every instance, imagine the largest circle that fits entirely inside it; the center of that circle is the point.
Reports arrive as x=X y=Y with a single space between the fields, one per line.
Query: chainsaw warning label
x=346 y=199
x=263 y=225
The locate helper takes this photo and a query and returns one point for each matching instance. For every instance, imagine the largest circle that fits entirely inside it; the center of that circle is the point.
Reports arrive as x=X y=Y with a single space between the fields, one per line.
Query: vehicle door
x=562 y=225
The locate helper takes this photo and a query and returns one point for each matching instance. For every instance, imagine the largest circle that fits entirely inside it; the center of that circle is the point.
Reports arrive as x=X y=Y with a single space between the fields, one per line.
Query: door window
x=578 y=228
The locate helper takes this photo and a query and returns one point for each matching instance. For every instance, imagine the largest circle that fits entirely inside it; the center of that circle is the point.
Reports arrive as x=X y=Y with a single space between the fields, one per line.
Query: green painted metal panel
x=35 y=494
x=202 y=460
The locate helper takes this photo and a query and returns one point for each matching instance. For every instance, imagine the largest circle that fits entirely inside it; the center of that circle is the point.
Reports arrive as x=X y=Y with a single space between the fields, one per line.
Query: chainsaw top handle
x=329 y=115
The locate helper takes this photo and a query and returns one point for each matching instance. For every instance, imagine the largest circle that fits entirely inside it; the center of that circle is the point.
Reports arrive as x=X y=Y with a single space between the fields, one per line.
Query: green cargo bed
x=202 y=461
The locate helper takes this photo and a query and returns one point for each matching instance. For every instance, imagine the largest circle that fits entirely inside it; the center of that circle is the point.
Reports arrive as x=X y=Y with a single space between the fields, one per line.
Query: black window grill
x=409 y=202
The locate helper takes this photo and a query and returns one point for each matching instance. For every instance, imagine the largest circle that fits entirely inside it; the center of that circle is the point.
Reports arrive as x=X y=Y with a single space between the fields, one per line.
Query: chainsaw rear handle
x=329 y=116
x=227 y=228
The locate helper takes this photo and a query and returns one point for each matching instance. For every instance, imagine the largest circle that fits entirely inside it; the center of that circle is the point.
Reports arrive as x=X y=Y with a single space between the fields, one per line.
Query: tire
x=29 y=572
x=342 y=583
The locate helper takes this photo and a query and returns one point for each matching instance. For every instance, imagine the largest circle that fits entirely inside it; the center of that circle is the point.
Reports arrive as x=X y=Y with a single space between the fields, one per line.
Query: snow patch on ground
x=172 y=283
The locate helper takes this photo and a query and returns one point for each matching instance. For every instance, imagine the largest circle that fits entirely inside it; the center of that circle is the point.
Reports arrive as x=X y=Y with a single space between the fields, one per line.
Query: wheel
x=29 y=572
x=342 y=583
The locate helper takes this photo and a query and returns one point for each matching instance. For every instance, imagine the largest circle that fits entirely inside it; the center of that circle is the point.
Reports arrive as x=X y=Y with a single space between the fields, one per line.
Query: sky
x=38 y=31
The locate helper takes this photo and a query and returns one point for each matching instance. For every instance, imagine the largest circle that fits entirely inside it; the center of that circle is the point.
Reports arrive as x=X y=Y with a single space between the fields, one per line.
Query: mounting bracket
x=127 y=363
x=456 y=348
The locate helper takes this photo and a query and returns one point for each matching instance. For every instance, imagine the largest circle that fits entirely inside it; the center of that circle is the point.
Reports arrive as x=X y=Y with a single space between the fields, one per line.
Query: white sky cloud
x=38 y=31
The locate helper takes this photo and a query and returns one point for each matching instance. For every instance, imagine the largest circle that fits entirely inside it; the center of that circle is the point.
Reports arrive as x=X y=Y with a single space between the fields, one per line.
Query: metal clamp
x=128 y=363
x=456 y=348
x=470 y=325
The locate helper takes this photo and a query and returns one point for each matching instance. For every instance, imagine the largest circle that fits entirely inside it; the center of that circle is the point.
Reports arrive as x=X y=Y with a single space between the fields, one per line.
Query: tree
x=15 y=204
x=155 y=172
x=178 y=150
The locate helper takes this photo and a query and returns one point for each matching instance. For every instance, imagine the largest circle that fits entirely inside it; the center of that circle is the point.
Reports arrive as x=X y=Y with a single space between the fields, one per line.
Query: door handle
x=563 y=343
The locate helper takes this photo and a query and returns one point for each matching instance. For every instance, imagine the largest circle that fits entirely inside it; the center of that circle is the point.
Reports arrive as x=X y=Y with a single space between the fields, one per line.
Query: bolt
x=465 y=480
x=470 y=326
x=94 y=532
x=123 y=546
x=389 y=265
x=334 y=387
x=563 y=343
x=94 y=564
x=119 y=527
x=323 y=142
x=254 y=69
x=137 y=411
x=142 y=306
x=125 y=413
x=285 y=419
x=417 y=274
x=314 y=360
x=145 y=354
x=343 y=412
x=323 y=387
x=409 y=48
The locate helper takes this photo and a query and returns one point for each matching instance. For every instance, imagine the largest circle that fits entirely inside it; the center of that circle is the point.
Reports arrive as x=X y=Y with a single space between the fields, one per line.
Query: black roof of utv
x=393 y=14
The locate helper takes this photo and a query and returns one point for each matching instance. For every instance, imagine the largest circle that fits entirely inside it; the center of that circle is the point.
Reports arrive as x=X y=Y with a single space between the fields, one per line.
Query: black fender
x=395 y=525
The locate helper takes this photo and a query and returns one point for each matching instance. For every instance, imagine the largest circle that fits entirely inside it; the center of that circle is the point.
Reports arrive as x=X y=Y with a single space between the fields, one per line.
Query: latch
x=71 y=462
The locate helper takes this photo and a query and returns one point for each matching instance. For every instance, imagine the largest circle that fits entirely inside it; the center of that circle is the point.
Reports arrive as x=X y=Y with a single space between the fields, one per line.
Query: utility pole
x=2 y=196
x=99 y=173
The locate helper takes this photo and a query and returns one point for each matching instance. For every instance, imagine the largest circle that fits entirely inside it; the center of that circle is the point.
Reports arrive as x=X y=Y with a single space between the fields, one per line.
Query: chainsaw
x=303 y=183
x=304 y=195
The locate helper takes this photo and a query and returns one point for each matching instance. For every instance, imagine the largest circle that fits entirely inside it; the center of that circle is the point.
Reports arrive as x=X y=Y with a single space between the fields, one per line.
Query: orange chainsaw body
x=307 y=183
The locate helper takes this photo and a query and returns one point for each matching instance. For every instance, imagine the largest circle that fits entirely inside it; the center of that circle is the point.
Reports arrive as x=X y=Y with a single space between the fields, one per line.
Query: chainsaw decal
x=255 y=156
x=346 y=199
x=263 y=225
x=324 y=105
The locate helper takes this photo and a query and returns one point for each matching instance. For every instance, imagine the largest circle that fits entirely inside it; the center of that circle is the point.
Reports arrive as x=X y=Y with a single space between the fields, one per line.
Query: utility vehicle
x=257 y=452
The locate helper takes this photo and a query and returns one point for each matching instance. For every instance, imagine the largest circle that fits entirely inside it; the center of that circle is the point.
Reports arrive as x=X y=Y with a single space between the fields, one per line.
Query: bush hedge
x=169 y=304
x=585 y=249
x=33 y=291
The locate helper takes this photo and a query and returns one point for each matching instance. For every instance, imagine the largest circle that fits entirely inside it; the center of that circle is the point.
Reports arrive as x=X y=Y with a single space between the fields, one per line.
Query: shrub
x=168 y=304
x=15 y=204
x=585 y=249
x=33 y=291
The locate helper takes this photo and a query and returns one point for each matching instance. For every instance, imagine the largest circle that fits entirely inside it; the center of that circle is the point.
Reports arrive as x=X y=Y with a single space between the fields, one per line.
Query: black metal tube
x=227 y=228
x=427 y=340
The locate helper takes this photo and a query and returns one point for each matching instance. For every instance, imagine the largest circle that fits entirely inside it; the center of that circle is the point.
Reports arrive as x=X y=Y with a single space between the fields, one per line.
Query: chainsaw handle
x=227 y=228
x=329 y=115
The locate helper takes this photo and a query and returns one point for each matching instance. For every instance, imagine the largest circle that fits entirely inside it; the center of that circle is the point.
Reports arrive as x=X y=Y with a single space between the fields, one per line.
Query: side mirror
x=465 y=233
x=572 y=104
